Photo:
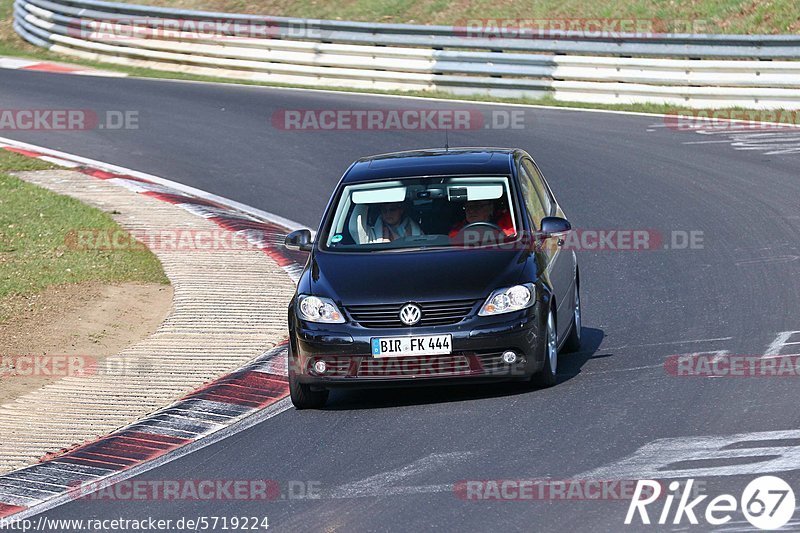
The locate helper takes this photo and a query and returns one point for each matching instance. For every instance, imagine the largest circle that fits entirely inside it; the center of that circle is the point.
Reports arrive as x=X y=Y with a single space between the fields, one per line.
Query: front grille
x=433 y=313
x=421 y=366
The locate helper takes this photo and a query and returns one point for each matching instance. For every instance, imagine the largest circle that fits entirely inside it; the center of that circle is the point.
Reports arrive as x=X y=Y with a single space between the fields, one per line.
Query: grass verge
x=34 y=254
x=712 y=16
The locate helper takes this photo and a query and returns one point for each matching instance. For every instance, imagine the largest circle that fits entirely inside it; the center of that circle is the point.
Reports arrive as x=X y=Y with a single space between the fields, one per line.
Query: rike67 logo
x=768 y=502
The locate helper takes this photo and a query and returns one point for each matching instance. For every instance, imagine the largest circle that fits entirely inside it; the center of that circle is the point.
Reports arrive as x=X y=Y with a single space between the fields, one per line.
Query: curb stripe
x=51 y=67
x=174 y=198
x=13 y=63
x=99 y=174
x=93 y=460
x=123 y=447
x=169 y=198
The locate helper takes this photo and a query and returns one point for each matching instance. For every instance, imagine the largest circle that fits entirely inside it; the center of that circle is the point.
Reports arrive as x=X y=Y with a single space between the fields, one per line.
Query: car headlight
x=509 y=300
x=317 y=309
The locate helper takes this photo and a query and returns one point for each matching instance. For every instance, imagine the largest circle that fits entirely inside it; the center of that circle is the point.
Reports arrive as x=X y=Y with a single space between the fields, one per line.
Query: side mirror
x=299 y=240
x=555 y=227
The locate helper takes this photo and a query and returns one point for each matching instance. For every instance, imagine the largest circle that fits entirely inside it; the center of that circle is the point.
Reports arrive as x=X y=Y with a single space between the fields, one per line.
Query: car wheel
x=546 y=377
x=573 y=342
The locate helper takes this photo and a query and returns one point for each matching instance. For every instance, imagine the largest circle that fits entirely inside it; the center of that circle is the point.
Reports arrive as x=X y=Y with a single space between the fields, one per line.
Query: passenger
x=393 y=223
x=484 y=211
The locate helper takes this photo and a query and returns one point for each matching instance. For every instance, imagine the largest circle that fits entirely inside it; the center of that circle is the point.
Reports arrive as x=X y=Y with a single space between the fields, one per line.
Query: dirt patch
x=90 y=320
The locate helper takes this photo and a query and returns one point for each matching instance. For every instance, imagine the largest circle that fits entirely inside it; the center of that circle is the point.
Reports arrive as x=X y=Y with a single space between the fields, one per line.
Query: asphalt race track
x=388 y=460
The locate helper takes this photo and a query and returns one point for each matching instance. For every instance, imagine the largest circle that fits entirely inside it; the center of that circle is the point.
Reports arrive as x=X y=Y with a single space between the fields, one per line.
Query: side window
x=538 y=184
x=533 y=203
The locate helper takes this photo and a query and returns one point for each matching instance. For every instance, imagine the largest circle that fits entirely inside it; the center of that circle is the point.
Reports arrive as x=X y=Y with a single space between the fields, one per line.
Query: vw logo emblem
x=410 y=314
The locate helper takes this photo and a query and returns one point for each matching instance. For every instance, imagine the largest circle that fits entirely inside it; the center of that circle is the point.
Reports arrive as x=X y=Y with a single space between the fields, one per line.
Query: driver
x=484 y=211
x=393 y=223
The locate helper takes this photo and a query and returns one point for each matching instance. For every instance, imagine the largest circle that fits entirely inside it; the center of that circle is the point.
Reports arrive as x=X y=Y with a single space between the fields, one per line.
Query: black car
x=434 y=266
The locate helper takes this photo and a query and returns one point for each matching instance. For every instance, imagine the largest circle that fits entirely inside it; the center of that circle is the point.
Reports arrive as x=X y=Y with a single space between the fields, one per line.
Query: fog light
x=509 y=357
x=320 y=367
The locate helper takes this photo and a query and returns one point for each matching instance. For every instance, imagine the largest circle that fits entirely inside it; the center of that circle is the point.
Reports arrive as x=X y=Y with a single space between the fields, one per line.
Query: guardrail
x=678 y=69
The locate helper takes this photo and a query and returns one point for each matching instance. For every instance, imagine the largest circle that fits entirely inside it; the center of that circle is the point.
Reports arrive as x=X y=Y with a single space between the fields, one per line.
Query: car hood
x=395 y=277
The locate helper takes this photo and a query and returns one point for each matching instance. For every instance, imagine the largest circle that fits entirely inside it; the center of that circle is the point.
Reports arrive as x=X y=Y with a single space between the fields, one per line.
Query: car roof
x=432 y=162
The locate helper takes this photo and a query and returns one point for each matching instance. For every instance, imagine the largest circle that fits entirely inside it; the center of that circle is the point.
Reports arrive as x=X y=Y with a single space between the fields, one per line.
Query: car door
x=560 y=267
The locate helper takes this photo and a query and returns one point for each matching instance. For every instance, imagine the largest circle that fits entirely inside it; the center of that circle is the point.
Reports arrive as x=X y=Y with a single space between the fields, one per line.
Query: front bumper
x=478 y=344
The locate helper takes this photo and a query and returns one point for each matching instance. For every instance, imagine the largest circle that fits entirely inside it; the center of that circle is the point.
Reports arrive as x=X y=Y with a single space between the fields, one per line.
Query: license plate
x=419 y=345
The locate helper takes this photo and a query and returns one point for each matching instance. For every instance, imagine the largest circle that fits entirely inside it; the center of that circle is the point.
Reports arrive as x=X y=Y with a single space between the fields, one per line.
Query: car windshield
x=414 y=213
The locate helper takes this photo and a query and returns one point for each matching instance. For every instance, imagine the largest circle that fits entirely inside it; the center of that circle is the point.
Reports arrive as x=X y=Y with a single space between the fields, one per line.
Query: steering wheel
x=474 y=225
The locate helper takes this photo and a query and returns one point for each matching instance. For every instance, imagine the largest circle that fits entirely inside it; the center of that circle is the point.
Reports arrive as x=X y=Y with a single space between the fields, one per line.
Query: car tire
x=548 y=375
x=573 y=342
